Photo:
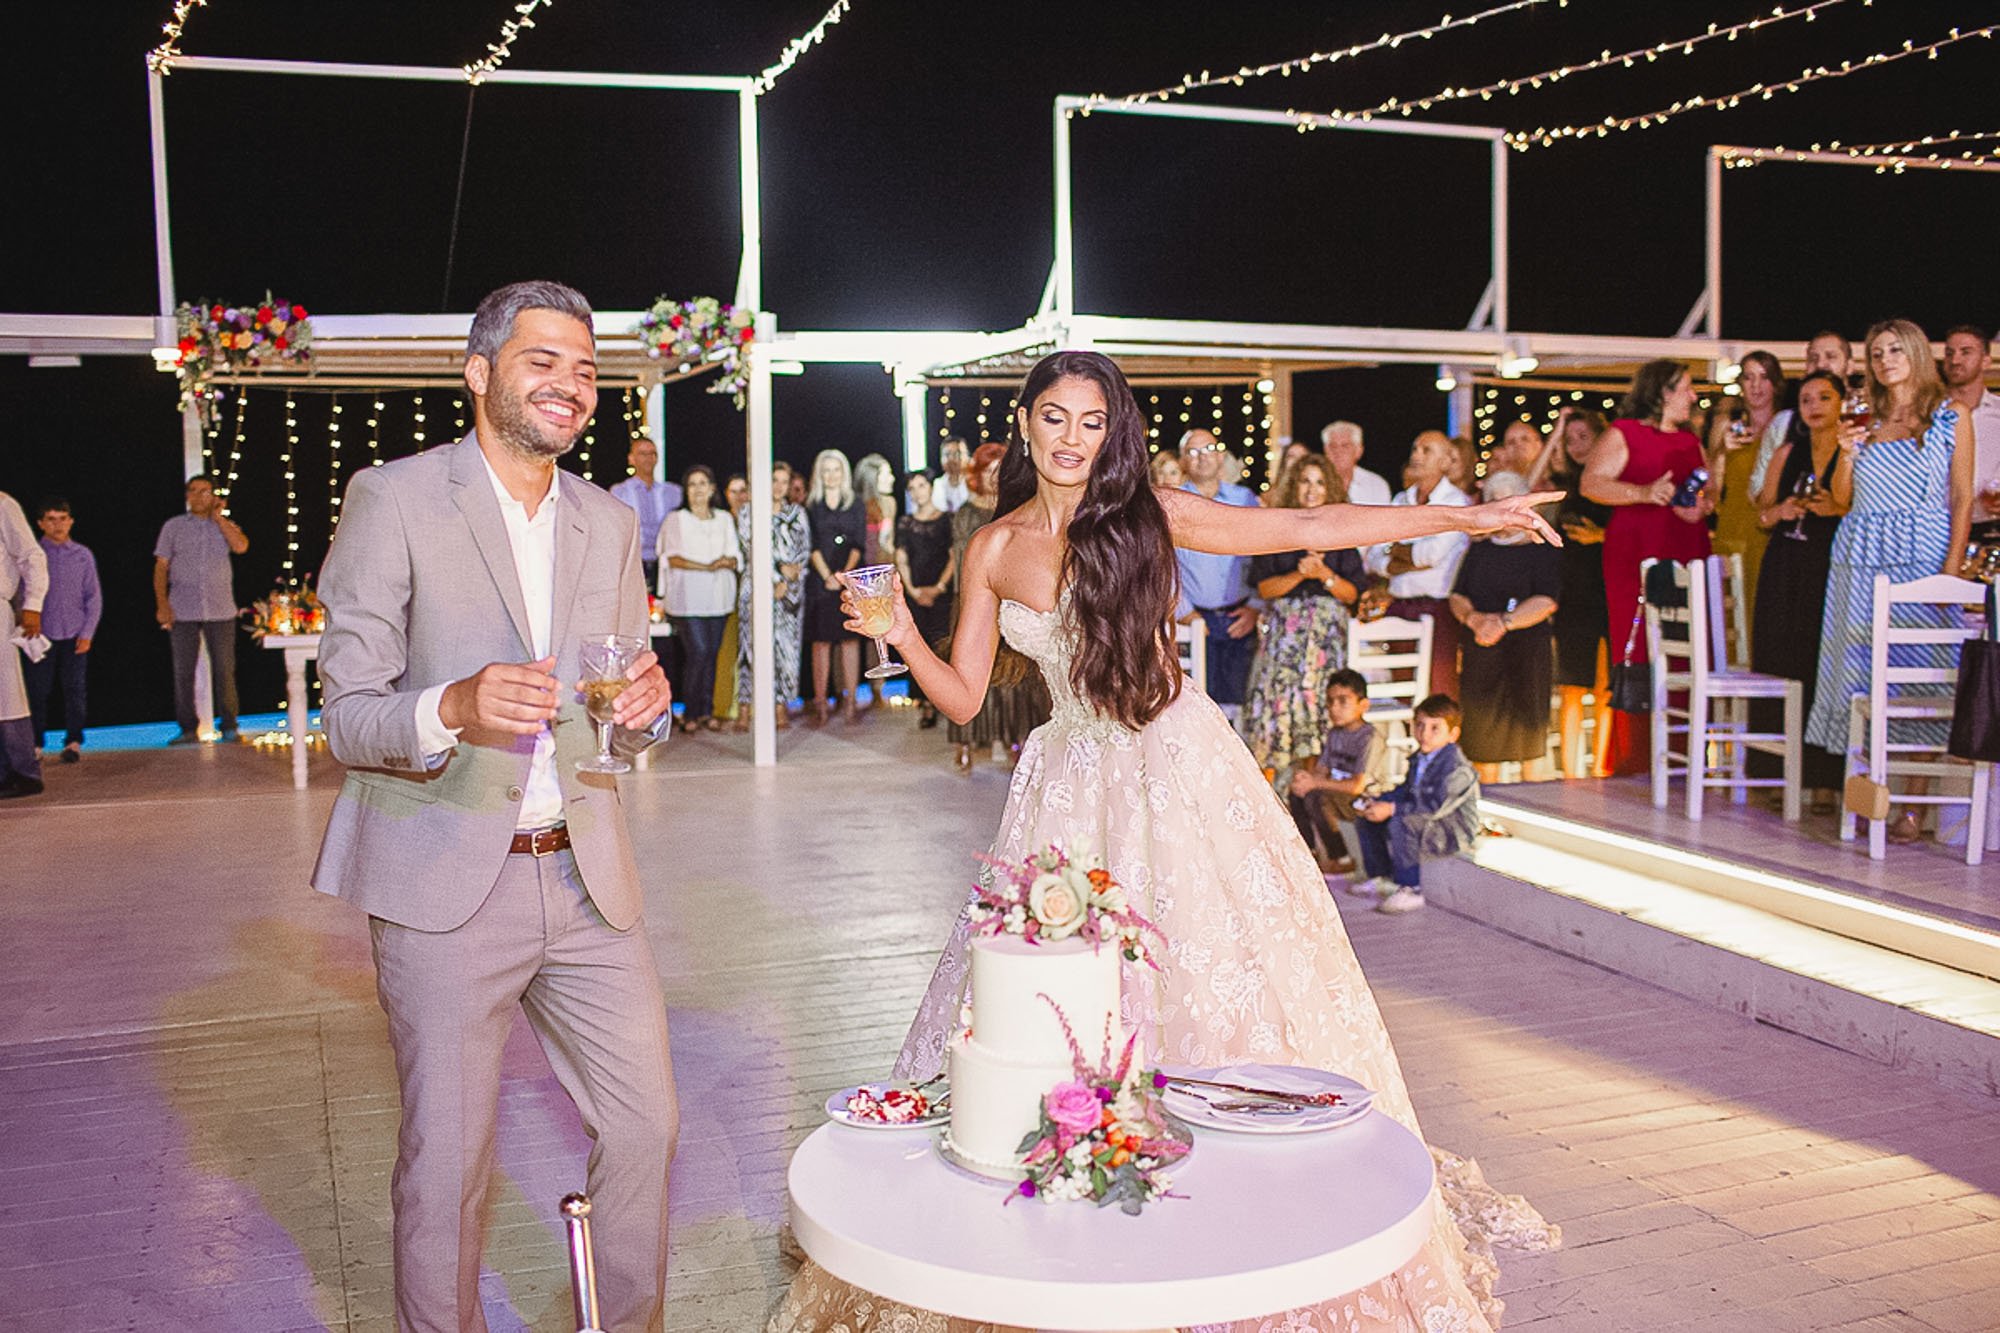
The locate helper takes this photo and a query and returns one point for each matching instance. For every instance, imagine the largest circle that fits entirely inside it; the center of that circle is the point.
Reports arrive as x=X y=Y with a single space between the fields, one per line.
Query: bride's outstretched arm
x=956 y=688
x=1205 y=525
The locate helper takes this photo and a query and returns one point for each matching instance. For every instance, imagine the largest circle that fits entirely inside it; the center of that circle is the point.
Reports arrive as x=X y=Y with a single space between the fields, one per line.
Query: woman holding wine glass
x=1905 y=476
x=1801 y=513
x=1734 y=440
x=1078 y=571
x=1645 y=469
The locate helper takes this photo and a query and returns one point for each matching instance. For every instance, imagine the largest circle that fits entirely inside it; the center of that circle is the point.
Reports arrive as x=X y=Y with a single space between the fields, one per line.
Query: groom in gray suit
x=495 y=876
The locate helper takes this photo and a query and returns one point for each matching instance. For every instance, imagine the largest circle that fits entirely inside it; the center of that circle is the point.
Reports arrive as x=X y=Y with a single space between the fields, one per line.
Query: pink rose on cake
x=1057 y=906
x=1074 y=1106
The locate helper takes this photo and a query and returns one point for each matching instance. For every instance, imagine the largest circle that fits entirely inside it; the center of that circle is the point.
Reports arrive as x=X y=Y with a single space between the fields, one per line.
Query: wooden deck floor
x=197 y=1108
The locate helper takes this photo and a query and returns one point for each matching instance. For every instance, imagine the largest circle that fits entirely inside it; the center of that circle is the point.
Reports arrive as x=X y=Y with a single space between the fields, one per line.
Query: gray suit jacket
x=420 y=589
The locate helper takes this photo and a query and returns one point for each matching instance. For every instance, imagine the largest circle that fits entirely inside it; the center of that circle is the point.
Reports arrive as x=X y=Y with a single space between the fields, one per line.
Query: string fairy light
x=417 y=405
x=214 y=432
x=1626 y=59
x=161 y=58
x=801 y=44
x=944 y=400
x=458 y=415
x=375 y=433
x=497 y=52
x=1548 y=136
x=1896 y=157
x=333 y=466
x=1300 y=64
x=290 y=463
x=236 y=445
x=583 y=454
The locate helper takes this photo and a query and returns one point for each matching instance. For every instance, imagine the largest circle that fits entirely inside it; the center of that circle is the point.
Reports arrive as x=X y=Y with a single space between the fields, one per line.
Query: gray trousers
x=220 y=636
x=592 y=995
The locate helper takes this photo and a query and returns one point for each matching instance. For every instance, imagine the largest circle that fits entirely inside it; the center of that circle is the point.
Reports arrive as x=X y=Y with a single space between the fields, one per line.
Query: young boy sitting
x=1353 y=763
x=1434 y=814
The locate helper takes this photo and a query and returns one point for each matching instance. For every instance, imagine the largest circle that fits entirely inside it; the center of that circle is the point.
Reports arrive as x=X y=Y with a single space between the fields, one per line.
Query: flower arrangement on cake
x=285 y=611
x=211 y=338
x=698 y=331
x=1102 y=1136
x=1052 y=896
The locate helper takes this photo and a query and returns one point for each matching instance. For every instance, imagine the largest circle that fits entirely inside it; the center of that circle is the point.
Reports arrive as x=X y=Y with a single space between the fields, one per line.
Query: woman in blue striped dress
x=1907 y=479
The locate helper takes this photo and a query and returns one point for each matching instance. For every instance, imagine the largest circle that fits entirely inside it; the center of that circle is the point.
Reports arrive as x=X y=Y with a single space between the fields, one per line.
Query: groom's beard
x=525 y=431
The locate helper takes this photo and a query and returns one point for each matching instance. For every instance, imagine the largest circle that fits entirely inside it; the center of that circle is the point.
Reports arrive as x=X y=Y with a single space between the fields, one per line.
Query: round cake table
x=1269 y=1223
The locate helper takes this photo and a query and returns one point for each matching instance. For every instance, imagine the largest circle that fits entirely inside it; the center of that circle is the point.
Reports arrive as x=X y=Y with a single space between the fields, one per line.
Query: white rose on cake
x=1056 y=906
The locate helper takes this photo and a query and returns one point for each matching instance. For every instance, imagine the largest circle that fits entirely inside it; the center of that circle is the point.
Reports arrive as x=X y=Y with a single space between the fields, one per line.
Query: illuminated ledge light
x=1881 y=925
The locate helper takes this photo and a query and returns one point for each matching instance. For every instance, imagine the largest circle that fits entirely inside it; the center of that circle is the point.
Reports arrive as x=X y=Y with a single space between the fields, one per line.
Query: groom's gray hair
x=493 y=322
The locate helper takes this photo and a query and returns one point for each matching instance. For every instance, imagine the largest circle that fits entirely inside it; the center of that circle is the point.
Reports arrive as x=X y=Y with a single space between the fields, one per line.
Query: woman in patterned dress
x=1303 y=636
x=1906 y=480
x=791 y=547
x=1152 y=777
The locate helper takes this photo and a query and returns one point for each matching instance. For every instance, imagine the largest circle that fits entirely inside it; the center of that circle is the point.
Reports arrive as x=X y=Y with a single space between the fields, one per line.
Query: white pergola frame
x=917 y=359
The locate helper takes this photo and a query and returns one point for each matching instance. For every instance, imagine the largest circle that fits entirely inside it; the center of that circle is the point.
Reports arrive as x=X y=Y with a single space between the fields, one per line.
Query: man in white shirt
x=950 y=489
x=1826 y=351
x=497 y=877
x=1421 y=573
x=1343 y=445
x=24 y=578
x=1967 y=353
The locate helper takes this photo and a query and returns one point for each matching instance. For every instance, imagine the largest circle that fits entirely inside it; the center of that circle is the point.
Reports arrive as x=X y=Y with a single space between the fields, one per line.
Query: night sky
x=907 y=184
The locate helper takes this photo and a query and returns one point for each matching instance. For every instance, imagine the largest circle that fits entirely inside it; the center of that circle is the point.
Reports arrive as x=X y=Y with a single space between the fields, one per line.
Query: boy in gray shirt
x=1354 y=762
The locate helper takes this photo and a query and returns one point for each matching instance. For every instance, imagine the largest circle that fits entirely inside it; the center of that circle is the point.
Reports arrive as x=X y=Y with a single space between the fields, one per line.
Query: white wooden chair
x=1870 y=752
x=1732 y=626
x=1715 y=707
x=1394 y=655
x=1191 y=646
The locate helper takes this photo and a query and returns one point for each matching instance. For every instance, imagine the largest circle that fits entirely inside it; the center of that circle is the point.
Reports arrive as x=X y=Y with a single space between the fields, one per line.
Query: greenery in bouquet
x=1053 y=896
x=1102 y=1136
x=212 y=338
x=285 y=611
x=700 y=331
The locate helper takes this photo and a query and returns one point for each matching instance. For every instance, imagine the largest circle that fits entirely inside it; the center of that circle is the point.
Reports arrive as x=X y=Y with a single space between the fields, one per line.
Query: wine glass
x=602 y=662
x=875 y=608
x=1802 y=489
x=1855 y=409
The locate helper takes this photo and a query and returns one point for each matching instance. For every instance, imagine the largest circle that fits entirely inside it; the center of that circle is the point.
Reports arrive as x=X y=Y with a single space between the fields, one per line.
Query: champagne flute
x=1802 y=489
x=602 y=662
x=875 y=608
x=1855 y=409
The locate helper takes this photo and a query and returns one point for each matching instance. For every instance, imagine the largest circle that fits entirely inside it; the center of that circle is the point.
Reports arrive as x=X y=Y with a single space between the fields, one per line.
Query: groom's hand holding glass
x=521 y=698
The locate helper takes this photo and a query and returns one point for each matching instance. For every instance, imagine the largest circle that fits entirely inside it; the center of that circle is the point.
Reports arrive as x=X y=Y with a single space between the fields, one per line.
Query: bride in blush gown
x=1078 y=573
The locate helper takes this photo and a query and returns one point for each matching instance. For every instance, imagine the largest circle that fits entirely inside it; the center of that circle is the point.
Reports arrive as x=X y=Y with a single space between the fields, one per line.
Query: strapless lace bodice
x=1047 y=637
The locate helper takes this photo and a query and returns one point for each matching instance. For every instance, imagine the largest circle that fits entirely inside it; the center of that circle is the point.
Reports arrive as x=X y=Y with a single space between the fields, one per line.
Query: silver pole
x=582 y=1263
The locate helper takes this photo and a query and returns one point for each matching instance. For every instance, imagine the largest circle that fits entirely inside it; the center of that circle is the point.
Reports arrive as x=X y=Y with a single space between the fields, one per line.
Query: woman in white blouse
x=699 y=557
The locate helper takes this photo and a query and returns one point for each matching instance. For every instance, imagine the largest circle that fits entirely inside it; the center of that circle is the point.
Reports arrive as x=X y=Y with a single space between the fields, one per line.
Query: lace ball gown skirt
x=1257 y=968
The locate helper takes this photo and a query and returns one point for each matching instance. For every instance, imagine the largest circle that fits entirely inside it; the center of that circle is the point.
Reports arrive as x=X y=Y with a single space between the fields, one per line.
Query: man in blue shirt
x=651 y=500
x=70 y=612
x=195 y=602
x=1217 y=587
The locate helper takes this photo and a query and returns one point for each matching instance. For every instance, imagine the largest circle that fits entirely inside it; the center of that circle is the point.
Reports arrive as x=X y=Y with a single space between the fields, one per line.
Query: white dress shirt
x=533 y=541
x=1368 y=488
x=1985 y=425
x=1438 y=556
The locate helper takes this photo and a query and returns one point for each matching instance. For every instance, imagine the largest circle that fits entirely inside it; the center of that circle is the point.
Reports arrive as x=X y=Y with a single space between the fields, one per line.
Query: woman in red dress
x=1636 y=469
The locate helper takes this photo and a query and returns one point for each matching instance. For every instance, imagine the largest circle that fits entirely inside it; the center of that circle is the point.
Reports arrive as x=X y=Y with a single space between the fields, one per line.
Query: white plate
x=1183 y=1102
x=836 y=1108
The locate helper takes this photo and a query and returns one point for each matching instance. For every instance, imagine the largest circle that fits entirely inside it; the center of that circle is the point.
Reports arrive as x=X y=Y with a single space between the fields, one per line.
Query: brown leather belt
x=542 y=842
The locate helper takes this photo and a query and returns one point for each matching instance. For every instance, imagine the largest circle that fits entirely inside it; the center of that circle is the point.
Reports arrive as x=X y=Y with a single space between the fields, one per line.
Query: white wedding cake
x=1013 y=1050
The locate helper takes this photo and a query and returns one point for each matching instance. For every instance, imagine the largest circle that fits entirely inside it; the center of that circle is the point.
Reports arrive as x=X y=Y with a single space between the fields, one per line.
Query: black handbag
x=1975 y=713
x=1632 y=682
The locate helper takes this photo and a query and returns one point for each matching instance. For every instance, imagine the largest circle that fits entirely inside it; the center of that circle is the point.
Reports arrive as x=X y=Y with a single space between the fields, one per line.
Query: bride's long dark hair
x=1118 y=557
